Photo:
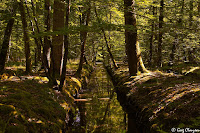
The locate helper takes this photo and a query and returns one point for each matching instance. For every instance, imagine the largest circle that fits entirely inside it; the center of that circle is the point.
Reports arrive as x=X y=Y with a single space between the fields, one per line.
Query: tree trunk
x=5 y=45
x=83 y=37
x=131 y=36
x=173 y=50
x=191 y=14
x=151 y=37
x=26 y=37
x=47 y=41
x=35 y=39
x=180 y=21
x=39 y=54
x=57 y=40
x=66 y=45
x=141 y=65
x=198 y=8
x=160 y=33
x=105 y=38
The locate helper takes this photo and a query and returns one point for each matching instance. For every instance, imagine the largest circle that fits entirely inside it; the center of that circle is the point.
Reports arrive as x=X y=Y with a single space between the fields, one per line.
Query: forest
x=99 y=66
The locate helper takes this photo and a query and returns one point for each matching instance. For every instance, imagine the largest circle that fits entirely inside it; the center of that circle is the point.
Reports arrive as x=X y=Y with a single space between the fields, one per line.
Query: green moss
x=169 y=100
x=30 y=107
x=182 y=125
x=5 y=110
x=16 y=129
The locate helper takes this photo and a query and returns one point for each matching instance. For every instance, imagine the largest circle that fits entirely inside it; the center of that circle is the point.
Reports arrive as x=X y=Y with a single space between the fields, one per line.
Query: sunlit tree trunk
x=26 y=37
x=5 y=44
x=159 y=61
x=66 y=45
x=141 y=65
x=57 y=40
x=131 y=36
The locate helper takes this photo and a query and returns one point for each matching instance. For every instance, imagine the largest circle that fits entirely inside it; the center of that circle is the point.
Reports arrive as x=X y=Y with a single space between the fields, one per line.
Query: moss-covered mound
x=28 y=106
x=161 y=101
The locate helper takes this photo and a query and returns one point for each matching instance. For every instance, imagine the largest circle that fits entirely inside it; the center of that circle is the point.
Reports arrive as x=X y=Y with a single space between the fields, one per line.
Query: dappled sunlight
x=174 y=93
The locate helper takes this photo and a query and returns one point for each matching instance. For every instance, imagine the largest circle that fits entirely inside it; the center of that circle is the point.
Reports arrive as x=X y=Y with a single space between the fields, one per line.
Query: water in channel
x=98 y=110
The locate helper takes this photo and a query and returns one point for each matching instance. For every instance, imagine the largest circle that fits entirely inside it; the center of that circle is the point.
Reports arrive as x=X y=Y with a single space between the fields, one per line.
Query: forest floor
x=169 y=100
x=28 y=104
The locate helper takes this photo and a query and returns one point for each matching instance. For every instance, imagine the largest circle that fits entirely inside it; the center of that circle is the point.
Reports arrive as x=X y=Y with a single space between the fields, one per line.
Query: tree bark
x=39 y=54
x=151 y=37
x=83 y=37
x=160 y=33
x=57 y=40
x=191 y=14
x=173 y=50
x=5 y=44
x=35 y=39
x=26 y=37
x=198 y=8
x=47 y=41
x=131 y=36
x=141 y=65
x=180 y=21
x=105 y=38
x=66 y=45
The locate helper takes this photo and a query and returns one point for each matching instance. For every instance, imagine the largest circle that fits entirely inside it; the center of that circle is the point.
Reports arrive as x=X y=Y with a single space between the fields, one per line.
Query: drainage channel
x=98 y=110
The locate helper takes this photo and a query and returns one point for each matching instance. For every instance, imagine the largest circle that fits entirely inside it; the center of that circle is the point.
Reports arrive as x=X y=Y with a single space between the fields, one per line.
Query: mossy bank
x=158 y=102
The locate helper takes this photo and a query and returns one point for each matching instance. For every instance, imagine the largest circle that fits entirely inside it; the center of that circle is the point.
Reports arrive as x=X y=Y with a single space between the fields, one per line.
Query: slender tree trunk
x=94 y=54
x=173 y=50
x=180 y=21
x=57 y=40
x=160 y=33
x=5 y=45
x=198 y=8
x=39 y=54
x=191 y=14
x=131 y=36
x=35 y=39
x=141 y=65
x=26 y=37
x=9 y=52
x=83 y=36
x=47 y=41
x=151 y=37
x=190 y=59
x=66 y=45
x=105 y=38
